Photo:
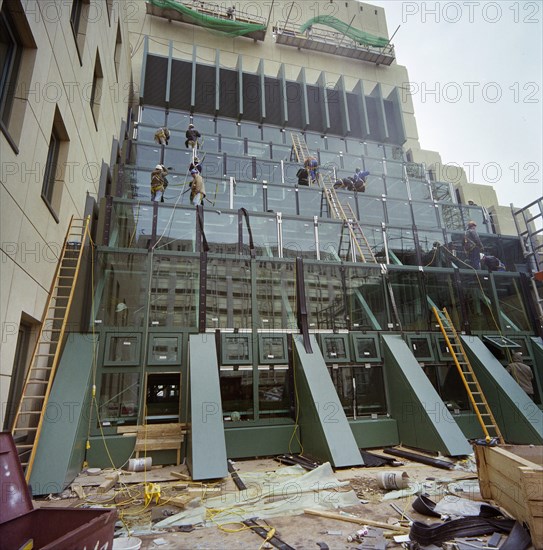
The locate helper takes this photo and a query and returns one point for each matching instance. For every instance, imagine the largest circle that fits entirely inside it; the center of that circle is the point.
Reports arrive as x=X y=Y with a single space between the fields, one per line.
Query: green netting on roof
x=358 y=36
x=229 y=27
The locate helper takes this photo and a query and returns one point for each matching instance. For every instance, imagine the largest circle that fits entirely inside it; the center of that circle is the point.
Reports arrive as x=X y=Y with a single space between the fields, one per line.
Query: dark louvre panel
x=294 y=105
x=393 y=126
x=180 y=85
x=373 y=118
x=315 y=105
x=229 y=94
x=354 y=115
x=205 y=90
x=273 y=101
x=155 y=81
x=251 y=97
x=334 y=111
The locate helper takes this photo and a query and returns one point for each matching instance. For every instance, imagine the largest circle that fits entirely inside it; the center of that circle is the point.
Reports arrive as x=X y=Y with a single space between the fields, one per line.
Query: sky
x=475 y=69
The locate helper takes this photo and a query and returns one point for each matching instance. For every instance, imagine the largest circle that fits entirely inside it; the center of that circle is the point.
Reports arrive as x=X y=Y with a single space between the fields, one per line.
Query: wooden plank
x=111 y=481
x=533 y=453
x=482 y=472
x=499 y=454
x=359 y=521
x=156 y=445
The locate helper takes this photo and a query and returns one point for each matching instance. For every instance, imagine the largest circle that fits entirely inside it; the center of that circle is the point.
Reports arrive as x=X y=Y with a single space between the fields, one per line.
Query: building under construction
x=276 y=317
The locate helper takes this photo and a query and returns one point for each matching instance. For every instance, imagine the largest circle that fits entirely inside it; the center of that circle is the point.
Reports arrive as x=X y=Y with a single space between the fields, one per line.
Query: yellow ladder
x=299 y=147
x=475 y=393
x=45 y=358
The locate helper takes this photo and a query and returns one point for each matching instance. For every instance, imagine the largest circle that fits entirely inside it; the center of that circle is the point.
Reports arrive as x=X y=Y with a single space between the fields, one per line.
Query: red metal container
x=46 y=528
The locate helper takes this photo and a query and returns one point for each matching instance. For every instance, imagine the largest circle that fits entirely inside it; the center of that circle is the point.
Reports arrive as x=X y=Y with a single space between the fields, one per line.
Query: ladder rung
x=33 y=396
x=24 y=429
x=44 y=354
x=30 y=412
x=37 y=381
x=24 y=446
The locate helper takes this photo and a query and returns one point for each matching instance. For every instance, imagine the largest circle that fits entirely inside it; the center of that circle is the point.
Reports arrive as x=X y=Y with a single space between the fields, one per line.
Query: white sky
x=493 y=50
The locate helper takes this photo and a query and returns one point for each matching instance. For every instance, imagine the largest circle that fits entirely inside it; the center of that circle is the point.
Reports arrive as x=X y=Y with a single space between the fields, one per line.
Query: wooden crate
x=512 y=476
x=156 y=437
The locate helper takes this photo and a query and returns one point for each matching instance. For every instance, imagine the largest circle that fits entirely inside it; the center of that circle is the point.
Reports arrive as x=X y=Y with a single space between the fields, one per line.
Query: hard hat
x=191 y=125
x=472 y=223
x=194 y=171
x=158 y=167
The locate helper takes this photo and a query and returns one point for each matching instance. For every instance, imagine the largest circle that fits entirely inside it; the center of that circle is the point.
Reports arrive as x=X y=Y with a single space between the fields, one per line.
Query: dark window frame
x=49 y=175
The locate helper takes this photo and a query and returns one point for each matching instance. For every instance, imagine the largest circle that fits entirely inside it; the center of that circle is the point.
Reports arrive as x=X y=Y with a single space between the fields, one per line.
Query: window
x=109 y=9
x=78 y=19
x=17 y=54
x=53 y=177
x=96 y=91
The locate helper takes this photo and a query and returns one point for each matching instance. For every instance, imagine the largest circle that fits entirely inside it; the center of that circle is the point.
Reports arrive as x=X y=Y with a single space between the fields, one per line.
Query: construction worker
x=311 y=164
x=301 y=174
x=192 y=136
x=473 y=246
x=359 y=179
x=522 y=373
x=196 y=164
x=158 y=183
x=162 y=136
x=197 y=188
x=492 y=263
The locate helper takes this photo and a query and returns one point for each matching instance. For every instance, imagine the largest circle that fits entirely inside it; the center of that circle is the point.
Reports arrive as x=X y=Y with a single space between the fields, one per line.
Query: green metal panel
x=207 y=445
x=325 y=431
x=118 y=447
x=520 y=420
x=61 y=448
x=377 y=93
x=423 y=419
x=379 y=432
x=254 y=441
x=537 y=348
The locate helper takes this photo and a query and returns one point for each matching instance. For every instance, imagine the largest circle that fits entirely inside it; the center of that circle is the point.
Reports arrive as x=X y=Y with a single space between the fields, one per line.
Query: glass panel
x=204 y=124
x=273 y=134
x=210 y=144
x=393 y=152
x=176 y=228
x=396 y=188
x=366 y=298
x=478 y=301
x=410 y=303
x=373 y=166
x=228 y=298
x=355 y=147
x=394 y=169
x=401 y=246
x=450 y=216
x=373 y=150
x=233 y=146
x=144 y=156
x=249 y=196
x=299 y=238
x=420 y=190
x=376 y=241
x=399 y=212
x=366 y=348
x=334 y=348
x=310 y=201
x=441 y=191
x=118 y=401
x=179 y=161
x=329 y=237
x=146 y=133
x=420 y=346
x=335 y=144
x=218 y=193
x=433 y=252
x=476 y=214
x=251 y=131
x=325 y=296
x=351 y=162
x=314 y=142
x=281 y=199
x=229 y=128
x=174 y=292
x=441 y=291
x=329 y=161
x=273 y=392
x=163 y=397
x=123 y=349
x=425 y=214
x=131 y=225
x=240 y=167
x=375 y=186
x=281 y=152
x=370 y=397
x=177 y=140
x=512 y=310
x=268 y=171
x=221 y=231
x=276 y=295
x=179 y=120
x=290 y=172
x=134 y=183
x=236 y=349
x=165 y=349
x=371 y=209
x=258 y=150
x=264 y=236
x=121 y=295
x=153 y=116
x=237 y=393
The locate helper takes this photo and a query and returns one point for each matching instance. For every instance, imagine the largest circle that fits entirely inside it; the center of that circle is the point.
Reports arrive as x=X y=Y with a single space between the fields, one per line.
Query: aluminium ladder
x=299 y=147
x=475 y=393
x=28 y=421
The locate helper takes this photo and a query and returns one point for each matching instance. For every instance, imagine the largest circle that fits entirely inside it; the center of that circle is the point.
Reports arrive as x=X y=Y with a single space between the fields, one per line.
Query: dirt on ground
x=300 y=531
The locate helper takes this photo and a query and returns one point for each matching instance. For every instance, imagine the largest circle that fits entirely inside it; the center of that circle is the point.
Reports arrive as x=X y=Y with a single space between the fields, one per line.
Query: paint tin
x=393 y=480
x=140 y=464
